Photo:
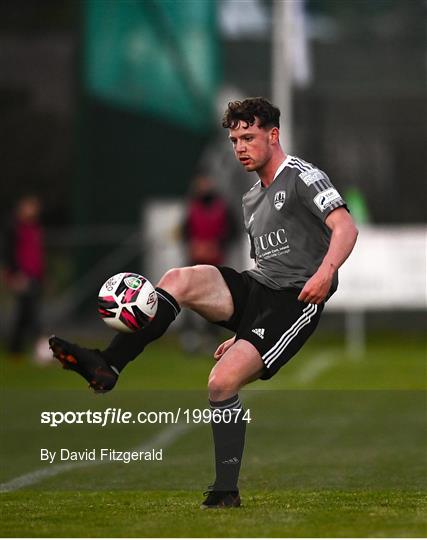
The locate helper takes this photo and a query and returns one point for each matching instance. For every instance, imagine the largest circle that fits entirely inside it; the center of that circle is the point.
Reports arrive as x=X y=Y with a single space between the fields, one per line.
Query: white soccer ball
x=127 y=302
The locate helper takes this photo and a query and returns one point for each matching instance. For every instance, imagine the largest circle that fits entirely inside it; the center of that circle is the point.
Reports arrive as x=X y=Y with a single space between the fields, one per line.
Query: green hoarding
x=153 y=56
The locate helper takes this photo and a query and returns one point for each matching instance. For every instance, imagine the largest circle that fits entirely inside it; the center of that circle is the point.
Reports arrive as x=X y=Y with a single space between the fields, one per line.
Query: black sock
x=229 y=441
x=126 y=347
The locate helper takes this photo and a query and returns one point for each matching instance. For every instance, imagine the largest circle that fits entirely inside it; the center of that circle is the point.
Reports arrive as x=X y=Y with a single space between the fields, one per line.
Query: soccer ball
x=127 y=302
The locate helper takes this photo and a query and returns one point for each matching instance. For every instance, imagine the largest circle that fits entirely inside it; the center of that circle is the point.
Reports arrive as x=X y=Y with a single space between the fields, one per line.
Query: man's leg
x=201 y=288
x=240 y=365
x=20 y=324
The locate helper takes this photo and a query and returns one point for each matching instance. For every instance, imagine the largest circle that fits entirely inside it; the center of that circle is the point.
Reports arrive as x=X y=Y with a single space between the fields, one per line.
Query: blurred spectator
x=24 y=262
x=208 y=228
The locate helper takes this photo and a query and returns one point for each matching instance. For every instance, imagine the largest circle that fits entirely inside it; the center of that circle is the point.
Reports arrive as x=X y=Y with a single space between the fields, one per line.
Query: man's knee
x=222 y=385
x=186 y=284
x=177 y=282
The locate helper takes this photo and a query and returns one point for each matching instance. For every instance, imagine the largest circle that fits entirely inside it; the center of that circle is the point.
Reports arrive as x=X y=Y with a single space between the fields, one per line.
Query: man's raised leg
x=201 y=288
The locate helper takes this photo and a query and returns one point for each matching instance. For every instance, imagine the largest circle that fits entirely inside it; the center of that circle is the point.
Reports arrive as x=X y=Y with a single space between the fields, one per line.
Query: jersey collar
x=282 y=166
x=278 y=171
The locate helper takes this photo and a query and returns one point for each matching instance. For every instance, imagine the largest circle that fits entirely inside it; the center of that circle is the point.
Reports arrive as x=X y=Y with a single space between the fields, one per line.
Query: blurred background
x=111 y=113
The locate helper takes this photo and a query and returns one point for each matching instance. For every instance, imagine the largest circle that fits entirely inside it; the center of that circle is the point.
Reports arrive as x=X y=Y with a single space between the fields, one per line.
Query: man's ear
x=274 y=135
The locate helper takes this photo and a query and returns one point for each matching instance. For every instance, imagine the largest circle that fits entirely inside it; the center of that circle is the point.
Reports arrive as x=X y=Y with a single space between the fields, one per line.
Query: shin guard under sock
x=126 y=347
x=229 y=440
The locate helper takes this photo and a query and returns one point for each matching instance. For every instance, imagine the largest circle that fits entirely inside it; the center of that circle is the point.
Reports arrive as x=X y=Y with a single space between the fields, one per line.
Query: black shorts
x=274 y=321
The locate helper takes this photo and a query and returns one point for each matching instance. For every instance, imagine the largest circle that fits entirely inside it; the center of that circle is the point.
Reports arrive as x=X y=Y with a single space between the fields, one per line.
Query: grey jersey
x=286 y=224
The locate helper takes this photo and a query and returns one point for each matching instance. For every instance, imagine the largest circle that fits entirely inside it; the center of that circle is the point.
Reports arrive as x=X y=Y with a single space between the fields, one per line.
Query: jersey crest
x=279 y=199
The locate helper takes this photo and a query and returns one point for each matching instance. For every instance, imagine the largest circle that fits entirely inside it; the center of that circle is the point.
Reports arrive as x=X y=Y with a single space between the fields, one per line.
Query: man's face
x=252 y=145
x=28 y=209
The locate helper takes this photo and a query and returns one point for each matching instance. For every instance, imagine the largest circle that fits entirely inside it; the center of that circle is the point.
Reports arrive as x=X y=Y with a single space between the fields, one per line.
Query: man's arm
x=343 y=239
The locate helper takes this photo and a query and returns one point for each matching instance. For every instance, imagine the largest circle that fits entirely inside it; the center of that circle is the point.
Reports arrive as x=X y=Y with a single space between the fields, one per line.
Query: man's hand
x=317 y=287
x=223 y=348
x=343 y=238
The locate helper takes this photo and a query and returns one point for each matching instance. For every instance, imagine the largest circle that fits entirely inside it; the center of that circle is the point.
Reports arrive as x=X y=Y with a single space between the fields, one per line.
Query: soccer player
x=300 y=234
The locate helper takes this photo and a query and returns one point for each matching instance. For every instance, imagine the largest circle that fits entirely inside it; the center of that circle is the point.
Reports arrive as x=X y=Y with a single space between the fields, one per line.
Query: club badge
x=279 y=199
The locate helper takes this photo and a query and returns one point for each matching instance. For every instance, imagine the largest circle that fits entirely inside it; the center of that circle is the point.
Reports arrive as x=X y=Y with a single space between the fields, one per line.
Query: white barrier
x=387 y=270
x=161 y=224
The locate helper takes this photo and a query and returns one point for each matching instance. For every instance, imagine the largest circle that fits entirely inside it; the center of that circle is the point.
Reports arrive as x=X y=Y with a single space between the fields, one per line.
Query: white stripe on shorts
x=271 y=355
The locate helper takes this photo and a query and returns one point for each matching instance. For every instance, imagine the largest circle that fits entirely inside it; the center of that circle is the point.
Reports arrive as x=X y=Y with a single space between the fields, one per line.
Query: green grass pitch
x=336 y=447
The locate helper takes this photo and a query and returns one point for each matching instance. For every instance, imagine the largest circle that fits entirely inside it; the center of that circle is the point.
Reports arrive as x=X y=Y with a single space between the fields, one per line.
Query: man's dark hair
x=248 y=111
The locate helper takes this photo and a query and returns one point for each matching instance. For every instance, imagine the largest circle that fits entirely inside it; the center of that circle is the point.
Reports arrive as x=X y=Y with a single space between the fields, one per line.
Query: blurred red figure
x=208 y=229
x=24 y=262
x=208 y=226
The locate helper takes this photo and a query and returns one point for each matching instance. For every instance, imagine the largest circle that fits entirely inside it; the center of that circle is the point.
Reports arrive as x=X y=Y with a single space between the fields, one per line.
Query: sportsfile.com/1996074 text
x=111 y=415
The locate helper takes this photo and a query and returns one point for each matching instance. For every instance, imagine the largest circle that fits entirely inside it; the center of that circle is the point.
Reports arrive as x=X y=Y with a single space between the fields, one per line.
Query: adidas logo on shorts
x=259 y=332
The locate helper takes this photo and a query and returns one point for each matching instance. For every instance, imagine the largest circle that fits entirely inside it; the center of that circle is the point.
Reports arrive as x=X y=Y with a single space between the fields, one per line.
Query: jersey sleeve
x=317 y=193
